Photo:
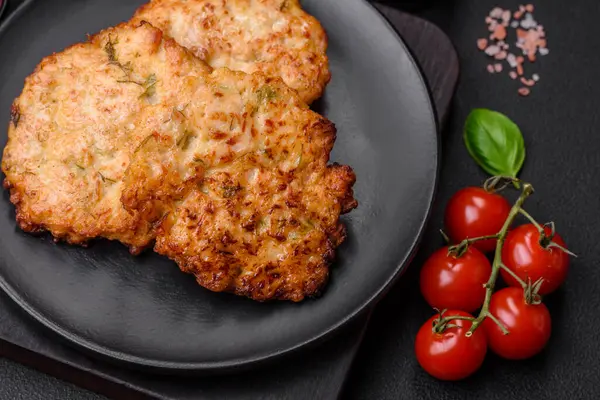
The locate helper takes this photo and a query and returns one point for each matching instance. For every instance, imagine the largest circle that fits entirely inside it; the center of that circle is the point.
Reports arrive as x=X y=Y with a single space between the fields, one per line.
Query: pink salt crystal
x=513 y=74
x=501 y=55
x=492 y=50
x=496 y=13
x=490 y=68
x=506 y=16
x=482 y=44
x=541 y=33
x=498 y=67
x=529 y=8
x=500 y=32
x=527 y=82
x=524 y=91
x=530 y=45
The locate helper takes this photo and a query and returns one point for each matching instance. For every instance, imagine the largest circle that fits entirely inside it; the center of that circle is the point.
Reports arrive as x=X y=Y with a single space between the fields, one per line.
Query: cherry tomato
x=473 y=212
x=450 y=355
x=454 y=282
x=523 y=254
x=529 y=325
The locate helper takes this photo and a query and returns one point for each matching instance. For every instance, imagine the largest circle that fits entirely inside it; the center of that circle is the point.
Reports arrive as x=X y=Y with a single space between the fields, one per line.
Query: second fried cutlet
x=275 y=37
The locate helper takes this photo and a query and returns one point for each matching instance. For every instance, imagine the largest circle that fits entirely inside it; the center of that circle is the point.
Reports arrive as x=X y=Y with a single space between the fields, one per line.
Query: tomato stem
x=533 y=221
x=498 y=183
x=546 y=241
x=531 y=292
x=442 y=323
x=444 y=236
x=498 y=322
x=526 y=191
x=459 y=249
x=558 y=246
x=515 y=276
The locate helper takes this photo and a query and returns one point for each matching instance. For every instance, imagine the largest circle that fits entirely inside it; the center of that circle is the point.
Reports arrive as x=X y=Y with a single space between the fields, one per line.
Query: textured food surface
x=81 y=115
x=275 y=37
x=132 y=138
x=242 y=189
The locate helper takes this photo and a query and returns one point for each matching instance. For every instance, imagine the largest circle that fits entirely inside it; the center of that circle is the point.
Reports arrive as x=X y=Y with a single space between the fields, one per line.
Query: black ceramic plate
x=142 y=310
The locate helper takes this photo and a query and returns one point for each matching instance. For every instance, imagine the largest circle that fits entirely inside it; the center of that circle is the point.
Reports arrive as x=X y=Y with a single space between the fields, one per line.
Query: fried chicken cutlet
x=81 y=115
x=275 y=37
x=242 y=189
x=132 y=138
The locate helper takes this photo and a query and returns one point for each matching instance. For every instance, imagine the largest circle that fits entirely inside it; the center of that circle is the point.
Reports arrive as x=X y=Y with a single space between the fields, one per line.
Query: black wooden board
x=316 y=373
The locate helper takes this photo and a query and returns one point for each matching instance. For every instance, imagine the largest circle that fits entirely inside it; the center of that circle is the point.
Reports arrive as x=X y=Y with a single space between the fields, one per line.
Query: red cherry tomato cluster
x=512 y=322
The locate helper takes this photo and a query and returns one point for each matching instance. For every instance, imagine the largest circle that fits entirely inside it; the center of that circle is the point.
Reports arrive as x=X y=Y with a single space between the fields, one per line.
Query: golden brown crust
x=132 y=138
x=275 y=37
x=246 y=201
x=75 y=125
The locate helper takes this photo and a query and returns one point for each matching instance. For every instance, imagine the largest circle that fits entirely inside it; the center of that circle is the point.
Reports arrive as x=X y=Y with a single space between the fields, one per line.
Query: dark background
x=560 y=122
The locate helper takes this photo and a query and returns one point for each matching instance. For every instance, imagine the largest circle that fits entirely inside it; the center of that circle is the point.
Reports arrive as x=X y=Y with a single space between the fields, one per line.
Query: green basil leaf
x=494 y=142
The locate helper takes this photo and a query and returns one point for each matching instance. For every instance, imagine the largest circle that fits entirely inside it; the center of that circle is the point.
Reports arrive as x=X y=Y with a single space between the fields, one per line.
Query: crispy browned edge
x=17 y=194
x=326 y=70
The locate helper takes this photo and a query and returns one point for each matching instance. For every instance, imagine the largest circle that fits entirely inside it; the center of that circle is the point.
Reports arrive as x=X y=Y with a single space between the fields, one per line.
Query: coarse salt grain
x=519 y=69
x=500 y=32
x=535 y=77
x=524 y=91
x=544 y=51
x=528 y=22
x=501 y=55
x=527 y=82
x=496 y=12
x=492 y=50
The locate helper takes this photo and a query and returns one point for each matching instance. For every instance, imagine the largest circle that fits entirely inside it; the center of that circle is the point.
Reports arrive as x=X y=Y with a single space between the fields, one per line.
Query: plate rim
x=137 y=362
